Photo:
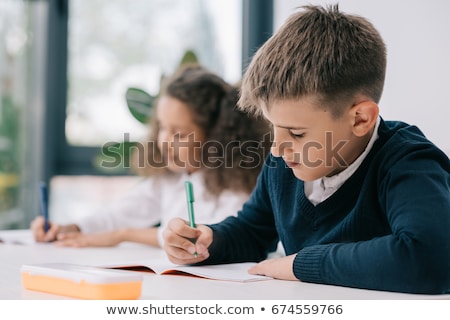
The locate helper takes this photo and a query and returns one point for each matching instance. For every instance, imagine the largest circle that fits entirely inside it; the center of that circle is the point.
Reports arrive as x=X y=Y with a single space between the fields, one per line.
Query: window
x=20 y=109
x=118 y=44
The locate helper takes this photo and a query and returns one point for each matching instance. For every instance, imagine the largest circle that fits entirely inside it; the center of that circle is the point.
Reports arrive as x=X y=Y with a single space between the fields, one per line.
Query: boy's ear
x=364 y=115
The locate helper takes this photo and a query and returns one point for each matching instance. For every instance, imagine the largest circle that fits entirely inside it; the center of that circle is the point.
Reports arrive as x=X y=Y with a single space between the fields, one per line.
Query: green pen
x=190 y=203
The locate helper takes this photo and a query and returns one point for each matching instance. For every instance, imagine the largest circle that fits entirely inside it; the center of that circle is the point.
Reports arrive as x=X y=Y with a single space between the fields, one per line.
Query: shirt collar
x=319 y=190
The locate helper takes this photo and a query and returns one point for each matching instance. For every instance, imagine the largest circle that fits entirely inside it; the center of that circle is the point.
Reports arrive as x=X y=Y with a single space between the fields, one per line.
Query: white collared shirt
x=321 y=189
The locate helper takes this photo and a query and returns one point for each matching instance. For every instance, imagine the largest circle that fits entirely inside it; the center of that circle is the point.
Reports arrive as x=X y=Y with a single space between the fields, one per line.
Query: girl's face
x=180 y=140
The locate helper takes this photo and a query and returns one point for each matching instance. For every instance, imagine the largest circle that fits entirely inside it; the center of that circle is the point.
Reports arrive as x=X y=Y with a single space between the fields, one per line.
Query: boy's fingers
x=174 y=240
x=180 y=256
x=204 y=239
x=180 y=235
x=202 y=250
x=182 y=228
x=184 y=244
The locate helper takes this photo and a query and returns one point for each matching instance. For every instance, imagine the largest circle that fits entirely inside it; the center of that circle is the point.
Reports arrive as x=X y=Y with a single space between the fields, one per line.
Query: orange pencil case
x=83 y=282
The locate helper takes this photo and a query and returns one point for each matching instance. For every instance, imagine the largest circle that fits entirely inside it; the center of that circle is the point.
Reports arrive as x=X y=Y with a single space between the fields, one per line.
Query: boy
x=355 y=200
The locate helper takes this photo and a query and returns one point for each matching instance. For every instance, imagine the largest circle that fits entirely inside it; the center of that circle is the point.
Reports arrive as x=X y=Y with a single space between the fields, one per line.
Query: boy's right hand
x=178 y=246
x=37 y=228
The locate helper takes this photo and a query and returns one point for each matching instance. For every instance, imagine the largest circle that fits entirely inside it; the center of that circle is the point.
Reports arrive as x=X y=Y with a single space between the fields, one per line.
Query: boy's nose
x=275 y=150
x=280 y=144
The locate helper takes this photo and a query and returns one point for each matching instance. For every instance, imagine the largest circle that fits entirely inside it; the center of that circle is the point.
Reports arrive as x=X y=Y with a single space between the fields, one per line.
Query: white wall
x=417 y=36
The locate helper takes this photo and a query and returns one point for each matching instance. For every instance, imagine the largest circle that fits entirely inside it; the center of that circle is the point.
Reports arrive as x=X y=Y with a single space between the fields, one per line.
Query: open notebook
x=227 y=272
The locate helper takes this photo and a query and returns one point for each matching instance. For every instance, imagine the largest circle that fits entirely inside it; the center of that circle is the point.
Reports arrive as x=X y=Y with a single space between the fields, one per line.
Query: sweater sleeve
x=252 y=234
x=414 y=193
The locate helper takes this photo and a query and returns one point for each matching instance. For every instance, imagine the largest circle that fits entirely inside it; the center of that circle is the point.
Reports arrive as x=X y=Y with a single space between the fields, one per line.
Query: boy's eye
x=297 y=135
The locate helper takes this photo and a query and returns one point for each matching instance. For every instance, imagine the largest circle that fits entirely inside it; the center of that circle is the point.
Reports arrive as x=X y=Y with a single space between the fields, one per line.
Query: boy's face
x=312 y=143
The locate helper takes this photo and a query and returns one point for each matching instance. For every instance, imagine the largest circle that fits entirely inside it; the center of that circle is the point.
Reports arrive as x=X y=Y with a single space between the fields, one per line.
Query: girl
x=197 y=135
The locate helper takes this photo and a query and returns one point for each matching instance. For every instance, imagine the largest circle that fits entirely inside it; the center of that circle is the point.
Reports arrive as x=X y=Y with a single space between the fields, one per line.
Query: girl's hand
x=186 y=245
x=78 y=239
x=55 y=230
x=37 y=228
x=277 y=268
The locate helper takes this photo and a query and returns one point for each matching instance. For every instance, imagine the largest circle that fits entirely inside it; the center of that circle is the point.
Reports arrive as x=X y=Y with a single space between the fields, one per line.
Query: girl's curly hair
x=236 y=142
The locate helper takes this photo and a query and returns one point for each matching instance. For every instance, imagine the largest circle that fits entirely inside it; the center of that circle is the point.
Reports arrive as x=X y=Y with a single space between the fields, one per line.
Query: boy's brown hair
x=318 y=51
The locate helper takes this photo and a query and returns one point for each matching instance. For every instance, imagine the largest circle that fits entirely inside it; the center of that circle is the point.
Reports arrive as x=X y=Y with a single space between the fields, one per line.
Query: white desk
x=168 y=287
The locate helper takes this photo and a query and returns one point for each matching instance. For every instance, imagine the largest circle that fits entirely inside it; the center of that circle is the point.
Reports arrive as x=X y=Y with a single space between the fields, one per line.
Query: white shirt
x=159 y=199
x=321 y=189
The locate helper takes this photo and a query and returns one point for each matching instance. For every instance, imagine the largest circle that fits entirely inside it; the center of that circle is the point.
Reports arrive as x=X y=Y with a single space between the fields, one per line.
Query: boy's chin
x=304 y=175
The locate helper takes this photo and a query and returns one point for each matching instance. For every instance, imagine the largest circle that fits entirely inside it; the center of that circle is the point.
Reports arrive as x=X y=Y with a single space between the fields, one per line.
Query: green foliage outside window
x=9 y=154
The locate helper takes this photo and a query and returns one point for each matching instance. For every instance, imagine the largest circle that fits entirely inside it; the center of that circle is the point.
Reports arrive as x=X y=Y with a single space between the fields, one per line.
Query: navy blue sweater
x=386 y=228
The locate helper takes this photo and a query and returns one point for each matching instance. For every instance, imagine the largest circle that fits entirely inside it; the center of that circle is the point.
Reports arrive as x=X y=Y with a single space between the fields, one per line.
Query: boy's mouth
x=292 y=164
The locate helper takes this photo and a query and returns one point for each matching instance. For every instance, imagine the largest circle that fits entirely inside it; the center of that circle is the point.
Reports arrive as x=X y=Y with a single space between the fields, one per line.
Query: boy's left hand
x=277 y=268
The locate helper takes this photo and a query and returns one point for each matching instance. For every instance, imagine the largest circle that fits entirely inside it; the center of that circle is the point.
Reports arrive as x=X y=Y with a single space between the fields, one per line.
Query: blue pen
x=190 y=203
x=44 y=204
